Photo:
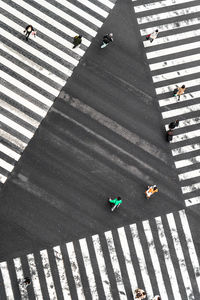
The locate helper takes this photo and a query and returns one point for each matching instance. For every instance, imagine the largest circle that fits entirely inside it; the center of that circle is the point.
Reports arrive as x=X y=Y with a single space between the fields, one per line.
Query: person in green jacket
x=77 y=40
x=116 y=202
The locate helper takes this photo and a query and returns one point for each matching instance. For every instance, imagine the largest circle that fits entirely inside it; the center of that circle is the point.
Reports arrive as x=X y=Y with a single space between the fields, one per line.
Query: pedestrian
x=27 y=281
x=152 y=36
x=77 y=40
x=157 y=297
x=28 y=31
x=140 y=294
x=174 y=124
x=180 y=91
x=151 y=190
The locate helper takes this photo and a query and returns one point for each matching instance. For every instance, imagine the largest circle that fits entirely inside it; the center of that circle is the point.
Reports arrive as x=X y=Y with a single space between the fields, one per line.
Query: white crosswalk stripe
x=174 y=61
x=33 y=72
x=151 y=250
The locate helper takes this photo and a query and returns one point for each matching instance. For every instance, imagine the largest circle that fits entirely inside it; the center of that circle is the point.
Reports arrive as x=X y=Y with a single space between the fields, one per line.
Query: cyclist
x=116 y=202
x=151 y=190
x=108 y=38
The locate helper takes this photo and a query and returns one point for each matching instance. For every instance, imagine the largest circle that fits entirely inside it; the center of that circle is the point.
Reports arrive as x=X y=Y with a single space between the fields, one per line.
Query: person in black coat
x=77 y=40
x=174 y=124
x=28 y=31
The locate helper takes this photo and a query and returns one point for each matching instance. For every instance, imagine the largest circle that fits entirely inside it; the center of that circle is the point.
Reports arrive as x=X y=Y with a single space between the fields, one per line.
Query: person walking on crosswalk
x=157 y=297
x=139 y=294
x=152 y=36
x=180 y=91
x=28 y=31
x=173 y=124
x=151 y=190
x=77 y=40
x=26 y=281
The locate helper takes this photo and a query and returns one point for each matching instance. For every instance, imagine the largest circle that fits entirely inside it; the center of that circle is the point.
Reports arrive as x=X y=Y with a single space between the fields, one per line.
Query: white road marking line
x=95 y=8
x=185 y=149
x=172 y=26
x=75 y=271
x=16 y=126
x=3 y=178
x=106 y=3
x=180 y=111
x=172 y=50
x=12 y=139
x=159 y=4
x=154 y=259
x=102 y=267
x=127 y=258
x=169 y=14
x=19 y=99
x=67 y=17
x=186 y=136
x=80 y=12
x=5 y=165
x=34 y=277
x=32 y=50
x=30 y=77
x=172 y=38
x=176 y=74
x=62 y=273
x=25 y=60
x=14 y=155
x=170 y=88
x=20 y=278
x=115 y=265
x=190 y=188
x=189 y=175
x=185 y=97
x=26 y=89
x=19 y=114
x=141 y=260
x=6 y=279
x=192 y=201
x=187 y=162
x=180 y=256
x=174 y=62
x=48 y=275
x=88 y=268
x=191 y=247
x=168 y=259
x=113 y=126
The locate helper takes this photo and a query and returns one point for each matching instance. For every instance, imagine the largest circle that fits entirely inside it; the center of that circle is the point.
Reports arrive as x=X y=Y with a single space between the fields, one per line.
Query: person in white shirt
x=153 y=35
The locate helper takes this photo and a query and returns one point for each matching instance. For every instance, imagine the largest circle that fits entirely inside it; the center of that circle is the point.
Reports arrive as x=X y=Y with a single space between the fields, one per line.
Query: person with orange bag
x=151 y=190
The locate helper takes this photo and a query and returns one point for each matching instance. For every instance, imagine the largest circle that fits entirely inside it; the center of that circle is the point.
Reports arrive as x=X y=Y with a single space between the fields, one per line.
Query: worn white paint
x=180 y=256
x=34 y=277
x=168 y=259
x=48 y=275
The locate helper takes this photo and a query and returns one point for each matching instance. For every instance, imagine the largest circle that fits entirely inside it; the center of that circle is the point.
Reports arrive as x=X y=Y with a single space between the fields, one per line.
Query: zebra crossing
x=157 y=255
x=174 y=60
x=33 y=72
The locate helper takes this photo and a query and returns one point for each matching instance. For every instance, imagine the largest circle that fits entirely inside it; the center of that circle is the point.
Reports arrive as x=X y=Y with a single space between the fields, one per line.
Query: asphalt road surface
x=104 y=136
